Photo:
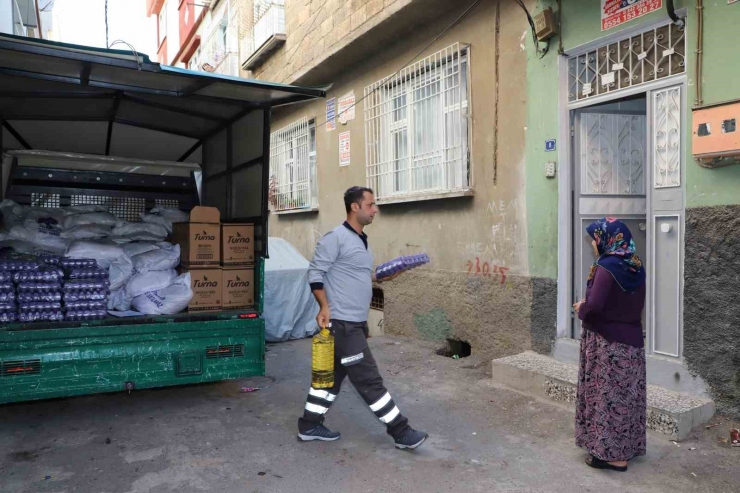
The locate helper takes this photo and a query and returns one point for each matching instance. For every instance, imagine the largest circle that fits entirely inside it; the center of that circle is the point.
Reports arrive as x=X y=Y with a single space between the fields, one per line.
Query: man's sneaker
x=321 y=432
x=411 y=439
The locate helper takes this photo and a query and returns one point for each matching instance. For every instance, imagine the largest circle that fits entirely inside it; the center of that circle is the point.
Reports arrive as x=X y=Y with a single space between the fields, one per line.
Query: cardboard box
x=237 y=244
x=199 y=239
x=238 y=288
x=207 y=285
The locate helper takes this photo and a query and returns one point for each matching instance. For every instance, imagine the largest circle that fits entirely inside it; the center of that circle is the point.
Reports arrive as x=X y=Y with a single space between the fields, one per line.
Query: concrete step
x=670 y=413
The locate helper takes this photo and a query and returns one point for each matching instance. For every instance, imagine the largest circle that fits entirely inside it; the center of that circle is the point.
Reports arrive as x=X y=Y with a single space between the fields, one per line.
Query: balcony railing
x=267 y=34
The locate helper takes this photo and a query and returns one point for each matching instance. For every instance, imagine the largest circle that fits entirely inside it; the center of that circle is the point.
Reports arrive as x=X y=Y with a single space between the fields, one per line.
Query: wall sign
x=331 y=114
x=616 y=12
x=344 y=149
x=347 y=108
x=550 y=145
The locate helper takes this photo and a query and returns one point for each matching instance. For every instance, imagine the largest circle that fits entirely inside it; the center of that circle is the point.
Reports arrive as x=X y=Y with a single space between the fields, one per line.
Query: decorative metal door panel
x=667 y=113
x=610 y=157
x=612 y=148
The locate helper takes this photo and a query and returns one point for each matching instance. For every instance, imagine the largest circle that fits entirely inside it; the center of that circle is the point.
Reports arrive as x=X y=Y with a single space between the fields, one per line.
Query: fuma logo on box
x=238 y=239
x=205 y=283
x=238 y=283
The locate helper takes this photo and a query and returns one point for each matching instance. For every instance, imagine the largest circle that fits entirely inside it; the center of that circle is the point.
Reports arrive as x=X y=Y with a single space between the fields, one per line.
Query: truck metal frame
x=74 y=114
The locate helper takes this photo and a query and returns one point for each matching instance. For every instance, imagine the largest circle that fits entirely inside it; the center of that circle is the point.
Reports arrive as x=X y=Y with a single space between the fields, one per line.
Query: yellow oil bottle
x=322 y=363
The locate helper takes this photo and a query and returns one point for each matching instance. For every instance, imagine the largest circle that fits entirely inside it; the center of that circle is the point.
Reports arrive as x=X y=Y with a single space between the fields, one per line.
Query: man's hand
x=389 y=278
x=323 y=317
x=392 y=276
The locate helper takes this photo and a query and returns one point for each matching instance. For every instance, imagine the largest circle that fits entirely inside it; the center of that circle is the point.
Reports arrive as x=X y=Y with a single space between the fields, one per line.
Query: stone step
x=670 y=413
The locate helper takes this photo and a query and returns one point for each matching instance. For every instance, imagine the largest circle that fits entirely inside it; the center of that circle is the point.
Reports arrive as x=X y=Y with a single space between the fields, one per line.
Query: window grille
x=124 y=208
x=613 y=152
x=293 y=181
x=50 y=200
x=378 y=301
x=636 y=60
x=417 y=126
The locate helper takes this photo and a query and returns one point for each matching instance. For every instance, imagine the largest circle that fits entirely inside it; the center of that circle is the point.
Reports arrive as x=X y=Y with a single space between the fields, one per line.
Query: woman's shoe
x=597 y=463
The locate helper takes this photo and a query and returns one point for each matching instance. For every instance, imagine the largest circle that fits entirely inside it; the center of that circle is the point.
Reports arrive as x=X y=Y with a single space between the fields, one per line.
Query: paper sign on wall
x=616 y=12
x=331 y=114
x=346 y=108
x=344 y=149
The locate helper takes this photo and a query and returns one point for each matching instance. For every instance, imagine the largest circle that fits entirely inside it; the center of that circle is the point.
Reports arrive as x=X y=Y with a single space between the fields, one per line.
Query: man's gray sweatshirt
x=343 y=266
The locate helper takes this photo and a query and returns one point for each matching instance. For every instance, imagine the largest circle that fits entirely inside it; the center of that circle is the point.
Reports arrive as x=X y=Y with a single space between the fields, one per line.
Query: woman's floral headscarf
x=617 y=253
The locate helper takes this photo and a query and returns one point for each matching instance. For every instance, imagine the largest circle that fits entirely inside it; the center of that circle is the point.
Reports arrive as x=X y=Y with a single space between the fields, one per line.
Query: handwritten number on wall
x=484 y=270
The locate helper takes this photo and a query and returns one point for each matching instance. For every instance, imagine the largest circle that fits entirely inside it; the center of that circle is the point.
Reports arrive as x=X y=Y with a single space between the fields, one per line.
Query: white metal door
x=610 y=152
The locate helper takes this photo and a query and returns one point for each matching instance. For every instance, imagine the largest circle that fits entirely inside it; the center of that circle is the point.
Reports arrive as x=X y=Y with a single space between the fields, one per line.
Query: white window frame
x=418 y=138
x=194 y=62
x=293 y=174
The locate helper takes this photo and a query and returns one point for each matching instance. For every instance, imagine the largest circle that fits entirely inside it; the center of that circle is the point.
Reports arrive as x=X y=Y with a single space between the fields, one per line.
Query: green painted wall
x=581 y=24
x=542 y=124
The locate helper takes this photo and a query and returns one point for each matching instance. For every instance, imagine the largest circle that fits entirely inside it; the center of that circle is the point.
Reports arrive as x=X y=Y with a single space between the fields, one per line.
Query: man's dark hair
x=354 y=195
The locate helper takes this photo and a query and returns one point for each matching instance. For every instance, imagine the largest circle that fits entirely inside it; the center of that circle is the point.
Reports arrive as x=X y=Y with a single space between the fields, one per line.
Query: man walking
x=341 y=275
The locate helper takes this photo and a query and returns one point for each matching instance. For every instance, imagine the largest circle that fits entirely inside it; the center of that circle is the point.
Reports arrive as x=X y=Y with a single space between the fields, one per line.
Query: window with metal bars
x=377 y=302
x=417 y=125
x=293 y=180
x=642 y=58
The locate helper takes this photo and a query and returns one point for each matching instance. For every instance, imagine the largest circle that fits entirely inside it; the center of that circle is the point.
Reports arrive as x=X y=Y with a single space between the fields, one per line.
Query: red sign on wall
x=616 y=12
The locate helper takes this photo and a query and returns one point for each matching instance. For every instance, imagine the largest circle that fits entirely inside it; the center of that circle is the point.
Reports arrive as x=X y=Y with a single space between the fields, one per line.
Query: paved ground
x=213 y=438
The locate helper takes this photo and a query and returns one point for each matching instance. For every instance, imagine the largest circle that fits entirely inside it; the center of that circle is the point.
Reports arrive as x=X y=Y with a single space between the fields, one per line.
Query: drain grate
x=228 y=351
x=12 y=368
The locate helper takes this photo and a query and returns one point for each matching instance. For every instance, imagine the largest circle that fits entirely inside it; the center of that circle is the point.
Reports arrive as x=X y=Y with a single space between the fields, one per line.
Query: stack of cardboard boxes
x=220 y=259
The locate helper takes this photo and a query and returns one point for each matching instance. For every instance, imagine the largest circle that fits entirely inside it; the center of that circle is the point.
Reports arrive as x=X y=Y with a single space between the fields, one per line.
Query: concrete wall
x=447 y=299
x=711 y=313
x=707 y=332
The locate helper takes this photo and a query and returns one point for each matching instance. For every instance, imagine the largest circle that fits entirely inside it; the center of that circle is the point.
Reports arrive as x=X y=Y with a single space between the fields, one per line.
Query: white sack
x=119 y=301
x=172 y=214
x=151 y=281
x=167 y=301
x=157 y=260
x=138 y=247
x=155 y=219
x=102 y=251
x=120 y=272
x=102 y=218
x=86 y=232
x=138 y=231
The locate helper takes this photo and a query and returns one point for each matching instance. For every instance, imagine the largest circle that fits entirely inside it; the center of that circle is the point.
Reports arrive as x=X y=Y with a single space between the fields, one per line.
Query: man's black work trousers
x=352 y=358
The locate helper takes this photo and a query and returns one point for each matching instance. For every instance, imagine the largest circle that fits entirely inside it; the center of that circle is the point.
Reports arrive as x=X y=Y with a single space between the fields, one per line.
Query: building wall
x=448 y=298
x=711 y=195
x=316 y=29
x=6 y=16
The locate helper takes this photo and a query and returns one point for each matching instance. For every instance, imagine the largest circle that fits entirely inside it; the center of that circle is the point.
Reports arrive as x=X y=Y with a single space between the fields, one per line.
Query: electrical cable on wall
x=540 y=52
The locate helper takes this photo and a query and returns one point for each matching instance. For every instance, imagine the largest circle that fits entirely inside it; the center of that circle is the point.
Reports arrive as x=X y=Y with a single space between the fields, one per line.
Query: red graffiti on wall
x=486 y=270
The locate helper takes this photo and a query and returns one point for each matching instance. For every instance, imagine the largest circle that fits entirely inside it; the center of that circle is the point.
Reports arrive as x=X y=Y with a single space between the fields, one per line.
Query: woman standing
x=611 y=402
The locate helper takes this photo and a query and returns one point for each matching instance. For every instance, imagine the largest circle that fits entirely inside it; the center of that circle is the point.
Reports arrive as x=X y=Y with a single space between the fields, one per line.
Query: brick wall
x=316 y=29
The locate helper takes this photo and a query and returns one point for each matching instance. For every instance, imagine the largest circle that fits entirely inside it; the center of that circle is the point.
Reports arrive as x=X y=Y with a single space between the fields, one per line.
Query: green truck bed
x=45 y=360
x=48 y=362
